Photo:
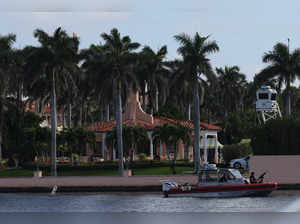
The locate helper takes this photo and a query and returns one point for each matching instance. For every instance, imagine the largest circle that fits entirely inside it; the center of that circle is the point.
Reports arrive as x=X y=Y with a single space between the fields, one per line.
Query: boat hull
x=242 y=190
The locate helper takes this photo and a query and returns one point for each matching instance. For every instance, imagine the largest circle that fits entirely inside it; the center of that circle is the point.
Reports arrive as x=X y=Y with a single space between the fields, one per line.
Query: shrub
x=236 y=151
x=142 y=156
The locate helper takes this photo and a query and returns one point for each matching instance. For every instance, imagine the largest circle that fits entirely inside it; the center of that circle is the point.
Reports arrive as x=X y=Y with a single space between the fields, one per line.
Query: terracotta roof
x=189 y=124
x=47 y=110
x=158 y=121
x=109 y=125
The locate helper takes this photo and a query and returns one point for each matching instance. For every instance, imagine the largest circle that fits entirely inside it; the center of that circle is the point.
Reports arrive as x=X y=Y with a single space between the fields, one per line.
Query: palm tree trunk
x=1 y=125
x=100 y=111
x=107 y=112
x=86 y=112
x=288 y=99
x=189 y=112
x=144 y=99
x=196 y=128
x=119 y=129
x=81 y=113
x=53 y=128
x=174 y=160
x=156 y=100
x=63 y=118
x=69 y=115
x=186 y=151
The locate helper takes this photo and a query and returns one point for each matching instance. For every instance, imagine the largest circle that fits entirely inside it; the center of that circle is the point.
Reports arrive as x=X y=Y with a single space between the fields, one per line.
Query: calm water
x=146 y=203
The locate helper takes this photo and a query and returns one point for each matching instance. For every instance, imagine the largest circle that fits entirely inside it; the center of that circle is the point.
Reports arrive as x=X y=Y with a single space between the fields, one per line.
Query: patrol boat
x=215 y=182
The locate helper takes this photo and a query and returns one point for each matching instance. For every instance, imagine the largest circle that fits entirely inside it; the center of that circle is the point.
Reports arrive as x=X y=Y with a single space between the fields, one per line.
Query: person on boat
x=261 y=178
x=252 y=178
x=224 y=178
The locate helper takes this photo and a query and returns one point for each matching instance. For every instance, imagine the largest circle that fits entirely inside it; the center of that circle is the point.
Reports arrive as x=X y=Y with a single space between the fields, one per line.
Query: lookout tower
x=267 y=107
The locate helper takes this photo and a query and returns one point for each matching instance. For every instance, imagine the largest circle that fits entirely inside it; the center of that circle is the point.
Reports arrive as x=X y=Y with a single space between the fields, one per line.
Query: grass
x=16 y=173
x=96 y=172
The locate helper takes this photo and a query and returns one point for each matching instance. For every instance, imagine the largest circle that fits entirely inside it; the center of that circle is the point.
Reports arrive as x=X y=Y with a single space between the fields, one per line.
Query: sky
x=243 y=29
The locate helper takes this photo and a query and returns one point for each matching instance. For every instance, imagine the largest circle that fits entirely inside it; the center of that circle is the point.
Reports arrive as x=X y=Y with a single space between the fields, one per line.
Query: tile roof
x=158 y=121
x=189 y=124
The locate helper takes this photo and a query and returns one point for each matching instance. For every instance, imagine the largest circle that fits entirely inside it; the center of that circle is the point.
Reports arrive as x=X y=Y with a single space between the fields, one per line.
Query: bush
x=142 y=156
x=236 y=151
x=103 y=166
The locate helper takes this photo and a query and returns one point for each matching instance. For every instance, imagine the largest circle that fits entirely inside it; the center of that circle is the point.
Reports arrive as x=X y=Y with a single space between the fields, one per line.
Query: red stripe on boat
x=225 y=188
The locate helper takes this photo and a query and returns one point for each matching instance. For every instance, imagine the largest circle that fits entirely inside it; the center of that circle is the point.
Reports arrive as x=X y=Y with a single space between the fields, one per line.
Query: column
x=149 y=133
x=103 y=147
x=133 y=155
x=216 y=150
x=205 y=149
x=190 y=149
x=113 y=152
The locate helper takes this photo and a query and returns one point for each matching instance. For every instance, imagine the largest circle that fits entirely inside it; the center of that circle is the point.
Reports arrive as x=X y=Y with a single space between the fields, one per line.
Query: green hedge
x=277 y=137
x=235 y=151
x=107 y=165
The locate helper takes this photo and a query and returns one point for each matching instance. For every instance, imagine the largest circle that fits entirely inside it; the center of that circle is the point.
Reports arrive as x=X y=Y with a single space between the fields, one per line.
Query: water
x=144 y=203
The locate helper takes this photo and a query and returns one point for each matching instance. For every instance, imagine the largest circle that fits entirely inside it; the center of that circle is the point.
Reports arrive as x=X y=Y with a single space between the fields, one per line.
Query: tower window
x=273 y=96
x=263 y=96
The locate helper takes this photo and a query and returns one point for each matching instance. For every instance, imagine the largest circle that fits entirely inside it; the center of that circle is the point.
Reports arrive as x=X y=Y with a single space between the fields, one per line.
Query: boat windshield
x=207 y=176
x=236 y=173
x=219 y=175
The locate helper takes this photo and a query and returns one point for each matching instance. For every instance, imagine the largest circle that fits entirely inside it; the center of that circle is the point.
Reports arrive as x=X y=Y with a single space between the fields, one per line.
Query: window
x=273 y=96
x=263 y=96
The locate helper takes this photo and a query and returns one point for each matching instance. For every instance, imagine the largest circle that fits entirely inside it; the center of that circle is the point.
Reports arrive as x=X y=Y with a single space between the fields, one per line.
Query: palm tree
x=97 y=67
x=284 y=66
x=232 y=85
x=6 y=55
x=152 y=67
x=55 y=58
x=194 y=52
x=119 y=53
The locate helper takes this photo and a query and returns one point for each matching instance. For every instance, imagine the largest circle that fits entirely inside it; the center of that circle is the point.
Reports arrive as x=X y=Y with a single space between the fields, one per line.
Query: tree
x=33 y=139
x=153 y=72
x=6 y=55
x=133 y=138
x=194 y=52
x=55 y=58
x=181 y=90
x=232 y=88
x=96 y=67
x=171 y=135
x=74 y=140
x=119 y=52
x=284 y=66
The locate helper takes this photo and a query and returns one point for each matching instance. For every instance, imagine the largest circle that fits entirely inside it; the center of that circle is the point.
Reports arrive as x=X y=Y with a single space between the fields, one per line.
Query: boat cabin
x=219 y=177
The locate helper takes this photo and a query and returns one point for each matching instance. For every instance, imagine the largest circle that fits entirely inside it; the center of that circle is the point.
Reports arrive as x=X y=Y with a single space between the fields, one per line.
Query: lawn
x=96 y=172
x=161 y=171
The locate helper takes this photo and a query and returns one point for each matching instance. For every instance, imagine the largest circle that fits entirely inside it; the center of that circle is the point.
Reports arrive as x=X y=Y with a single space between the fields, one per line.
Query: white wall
x=281 y=169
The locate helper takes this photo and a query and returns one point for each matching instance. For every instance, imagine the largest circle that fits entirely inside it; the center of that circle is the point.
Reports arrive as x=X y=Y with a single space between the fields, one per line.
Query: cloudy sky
x=243 y=29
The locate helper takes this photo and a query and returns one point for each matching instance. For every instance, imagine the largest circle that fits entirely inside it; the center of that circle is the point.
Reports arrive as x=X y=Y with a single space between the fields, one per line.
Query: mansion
x=134 y=116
